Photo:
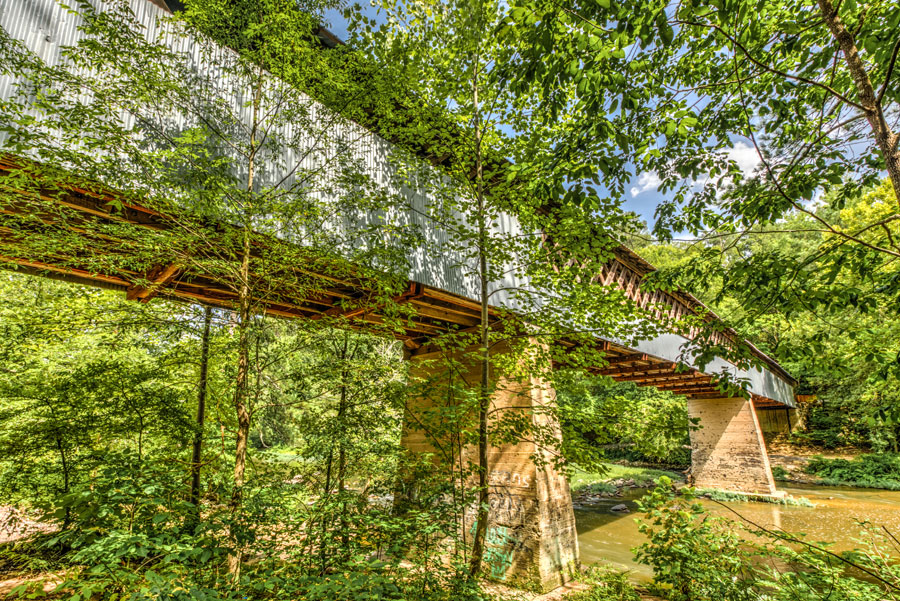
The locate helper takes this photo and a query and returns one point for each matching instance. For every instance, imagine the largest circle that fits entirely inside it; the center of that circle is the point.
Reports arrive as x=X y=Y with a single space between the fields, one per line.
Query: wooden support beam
x=453 y=299
x=688 y=388
x=640 y=369
x=413 y=291
x=159 y=276
x=411 y=344
x=603 y=346
x=446 y=306
x=80 y=273
x=631 y=358
x=444 y=315
x=664 y=378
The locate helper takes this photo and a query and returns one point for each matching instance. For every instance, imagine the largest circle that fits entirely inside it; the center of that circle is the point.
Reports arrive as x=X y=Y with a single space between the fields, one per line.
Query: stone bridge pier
x=531 y=537
x=728 y=451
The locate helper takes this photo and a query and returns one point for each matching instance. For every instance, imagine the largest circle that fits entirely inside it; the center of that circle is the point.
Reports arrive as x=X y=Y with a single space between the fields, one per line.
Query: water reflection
x=606 y=536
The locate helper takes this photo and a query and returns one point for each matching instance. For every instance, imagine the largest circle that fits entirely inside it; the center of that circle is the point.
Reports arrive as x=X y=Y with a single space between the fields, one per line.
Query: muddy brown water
x=608 y=537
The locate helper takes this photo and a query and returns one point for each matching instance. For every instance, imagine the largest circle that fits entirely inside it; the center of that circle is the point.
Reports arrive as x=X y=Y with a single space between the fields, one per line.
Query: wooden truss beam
x=688 y=388
x=662 y=379
x=158 y=277
x=631 y=358
x=658 y=367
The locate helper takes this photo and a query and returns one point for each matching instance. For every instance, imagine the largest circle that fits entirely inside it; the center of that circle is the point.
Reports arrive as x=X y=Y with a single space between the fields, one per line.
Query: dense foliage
x=839 y=349
x=99 y=396
x=876 y=471
x=623 y=421
x=541 y=109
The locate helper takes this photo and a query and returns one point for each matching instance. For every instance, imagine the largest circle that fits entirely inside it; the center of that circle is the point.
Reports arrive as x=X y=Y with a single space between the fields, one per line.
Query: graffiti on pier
x=504 y=478
x=510 y=508
x=500 y=545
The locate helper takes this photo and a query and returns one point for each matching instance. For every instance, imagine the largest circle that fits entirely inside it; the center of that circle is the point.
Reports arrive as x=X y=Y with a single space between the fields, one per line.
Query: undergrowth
x=696 y=557
x=606 y=584
x=780 y=474
x=880 y=470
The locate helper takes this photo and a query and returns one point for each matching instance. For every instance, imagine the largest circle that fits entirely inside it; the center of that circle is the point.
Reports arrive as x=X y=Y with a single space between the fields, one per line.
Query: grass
x=642 y=476
x=882 y=484
x=721 y=495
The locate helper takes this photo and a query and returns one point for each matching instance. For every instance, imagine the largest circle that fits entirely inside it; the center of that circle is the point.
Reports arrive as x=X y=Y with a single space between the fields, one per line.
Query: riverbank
x=843 y=467
x=608 y=537
x=595 y=583
x=615 y=481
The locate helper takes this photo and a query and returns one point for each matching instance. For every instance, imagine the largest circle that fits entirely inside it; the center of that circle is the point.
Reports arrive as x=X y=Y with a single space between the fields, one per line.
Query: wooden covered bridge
x=532 y=523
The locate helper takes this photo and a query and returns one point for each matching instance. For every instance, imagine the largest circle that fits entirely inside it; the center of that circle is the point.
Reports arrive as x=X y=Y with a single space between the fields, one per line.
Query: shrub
x=693 y=556
x=874 y=470
x=606 y=585
x=780 y=474
x=698 y=558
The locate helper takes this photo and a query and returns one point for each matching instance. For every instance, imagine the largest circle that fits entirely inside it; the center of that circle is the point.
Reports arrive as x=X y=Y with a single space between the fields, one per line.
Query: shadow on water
x=608 y=537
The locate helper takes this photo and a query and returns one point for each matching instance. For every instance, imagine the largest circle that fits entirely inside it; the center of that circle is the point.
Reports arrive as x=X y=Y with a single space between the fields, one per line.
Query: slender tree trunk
x=67 y=519
x=201 y=413
x=140 y=437
x=240 y=405
x=322 y=555
x=484 y=398
x=888 y=142
x=242 y=411
x=342 y=451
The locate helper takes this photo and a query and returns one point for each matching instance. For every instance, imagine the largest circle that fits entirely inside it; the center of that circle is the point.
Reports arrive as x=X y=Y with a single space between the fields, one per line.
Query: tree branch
x=773 y=70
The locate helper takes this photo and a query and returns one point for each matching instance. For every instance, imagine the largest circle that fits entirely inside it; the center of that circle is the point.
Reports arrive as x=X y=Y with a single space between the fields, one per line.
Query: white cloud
x=646 y=181
x=745 y=156
x=742 y=153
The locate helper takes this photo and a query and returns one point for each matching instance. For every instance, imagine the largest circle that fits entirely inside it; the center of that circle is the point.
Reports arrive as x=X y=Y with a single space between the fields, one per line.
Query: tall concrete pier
x=531 y=535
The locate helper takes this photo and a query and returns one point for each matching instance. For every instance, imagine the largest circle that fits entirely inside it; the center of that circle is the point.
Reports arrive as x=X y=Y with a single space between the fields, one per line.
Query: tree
x=202 y=384
x=830 y=323
x=85 y=377
x=675 y=91
x=493 y=163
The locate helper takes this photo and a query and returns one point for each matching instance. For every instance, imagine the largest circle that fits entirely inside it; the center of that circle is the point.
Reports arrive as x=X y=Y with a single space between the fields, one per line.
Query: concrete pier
x=531 y=537
x=727 y=450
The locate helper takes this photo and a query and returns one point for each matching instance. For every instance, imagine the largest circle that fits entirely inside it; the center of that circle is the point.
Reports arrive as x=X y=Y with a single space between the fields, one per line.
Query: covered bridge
x=533 y=529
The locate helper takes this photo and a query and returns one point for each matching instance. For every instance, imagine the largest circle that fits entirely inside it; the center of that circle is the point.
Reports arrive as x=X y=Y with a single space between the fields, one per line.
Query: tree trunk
x=67 y=519
x=342 y=451
x=484 y=386
x=201 y=414
x=322 y=554
x=240 y=404
x=244 y=303
x=888 y=142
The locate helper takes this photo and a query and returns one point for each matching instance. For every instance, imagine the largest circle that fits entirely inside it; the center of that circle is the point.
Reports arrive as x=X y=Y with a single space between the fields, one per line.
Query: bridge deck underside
x=435 y=312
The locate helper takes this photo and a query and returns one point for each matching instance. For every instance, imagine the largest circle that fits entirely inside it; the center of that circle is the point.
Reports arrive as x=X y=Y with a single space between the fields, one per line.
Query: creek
x=607 y=537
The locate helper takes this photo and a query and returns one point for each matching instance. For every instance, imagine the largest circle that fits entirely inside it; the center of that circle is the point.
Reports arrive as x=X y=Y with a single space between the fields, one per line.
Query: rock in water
x=620 y=508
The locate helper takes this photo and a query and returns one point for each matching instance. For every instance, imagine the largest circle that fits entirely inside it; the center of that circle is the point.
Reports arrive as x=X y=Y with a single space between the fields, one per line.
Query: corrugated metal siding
x=45 y=27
